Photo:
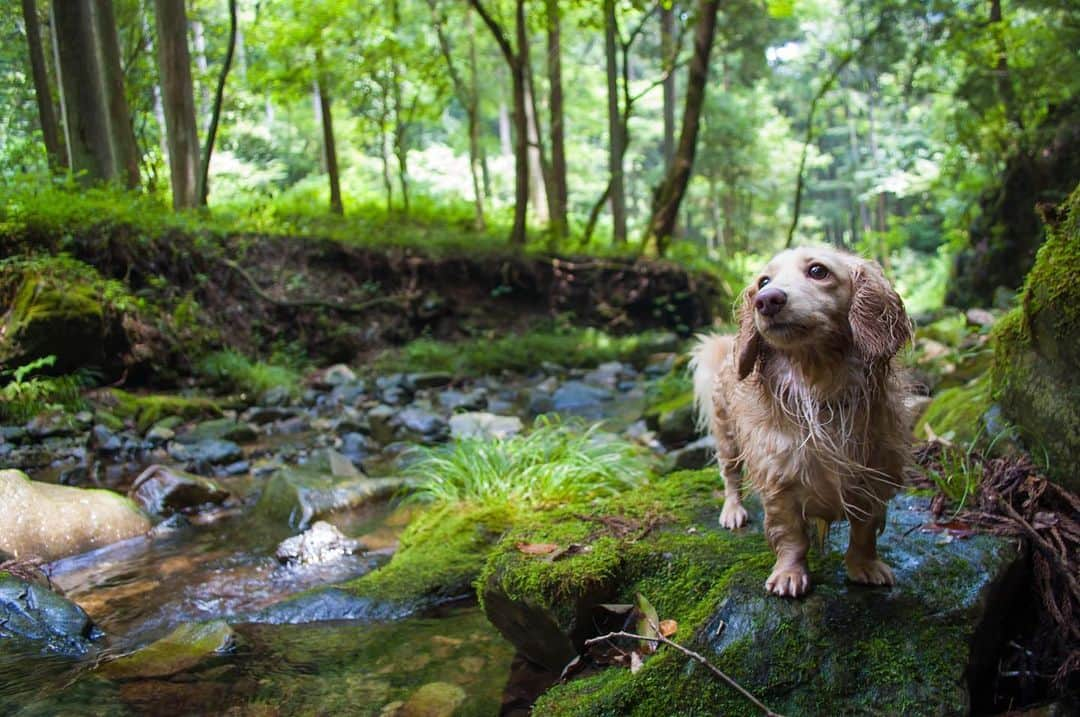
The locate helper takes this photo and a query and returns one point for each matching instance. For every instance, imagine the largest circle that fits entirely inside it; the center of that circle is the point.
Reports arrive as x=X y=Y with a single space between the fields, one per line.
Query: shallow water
x=328 y=668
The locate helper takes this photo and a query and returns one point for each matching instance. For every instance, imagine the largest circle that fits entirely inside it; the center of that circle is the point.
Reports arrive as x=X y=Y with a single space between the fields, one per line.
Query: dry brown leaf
x=537 y=548
x=668 y=627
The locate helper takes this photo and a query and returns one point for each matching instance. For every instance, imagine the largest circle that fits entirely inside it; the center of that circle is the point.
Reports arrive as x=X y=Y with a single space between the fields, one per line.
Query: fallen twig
x=658 y=638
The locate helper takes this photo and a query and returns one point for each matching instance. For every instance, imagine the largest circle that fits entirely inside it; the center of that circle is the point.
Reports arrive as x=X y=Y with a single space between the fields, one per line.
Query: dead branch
x=658 y=638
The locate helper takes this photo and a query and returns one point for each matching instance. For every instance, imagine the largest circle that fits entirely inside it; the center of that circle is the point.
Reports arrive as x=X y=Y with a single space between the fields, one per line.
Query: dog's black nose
x=770 y=300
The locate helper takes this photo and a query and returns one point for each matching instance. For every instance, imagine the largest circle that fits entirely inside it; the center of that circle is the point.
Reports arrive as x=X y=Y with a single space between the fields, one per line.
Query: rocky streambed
x=260 y=568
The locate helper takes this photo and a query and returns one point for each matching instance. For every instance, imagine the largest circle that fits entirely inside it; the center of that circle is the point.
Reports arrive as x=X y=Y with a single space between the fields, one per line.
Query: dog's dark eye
x=762 y=282
x=817 y=271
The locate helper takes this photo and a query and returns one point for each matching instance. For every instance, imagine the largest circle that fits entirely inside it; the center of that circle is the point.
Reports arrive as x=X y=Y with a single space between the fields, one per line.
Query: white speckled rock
x=50 y=521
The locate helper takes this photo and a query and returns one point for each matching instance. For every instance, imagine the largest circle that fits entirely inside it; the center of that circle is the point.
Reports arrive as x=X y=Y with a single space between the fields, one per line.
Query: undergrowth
x=556 y=463
x=522 y=353
x=232 y=371
x=25 y=396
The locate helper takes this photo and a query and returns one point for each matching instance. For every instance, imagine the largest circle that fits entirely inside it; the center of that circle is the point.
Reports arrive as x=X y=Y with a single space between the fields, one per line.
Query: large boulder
x=1036 y=373
x=49 y=521
x=68 y=317
x=916 y=648
x=32 y=613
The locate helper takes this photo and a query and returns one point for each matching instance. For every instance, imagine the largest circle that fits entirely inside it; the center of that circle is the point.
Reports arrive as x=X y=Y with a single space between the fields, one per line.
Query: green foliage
x=232 y=371
x=958 y=475
x=555 y=463
x=484 y=355
x=25 y=397
x=147 y=409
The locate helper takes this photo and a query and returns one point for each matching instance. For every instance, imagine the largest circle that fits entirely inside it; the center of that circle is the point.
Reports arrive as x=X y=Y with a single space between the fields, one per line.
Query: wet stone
x=453 y=400
x=163 y=491
x=184 y=648
x=321 y=543
x=261 y=415
x=222 y=429
x=207 y=452
x=580 y=399
x=32 y=612
x=429 y=379
x=484 y=425
x=695 y=455
x=423 y=425
x=104 y=441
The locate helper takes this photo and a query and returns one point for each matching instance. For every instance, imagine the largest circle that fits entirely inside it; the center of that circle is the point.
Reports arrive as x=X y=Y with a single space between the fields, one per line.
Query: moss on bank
x=1037 y=357
x=956 y=414
x=147 y=409
x=441 y=553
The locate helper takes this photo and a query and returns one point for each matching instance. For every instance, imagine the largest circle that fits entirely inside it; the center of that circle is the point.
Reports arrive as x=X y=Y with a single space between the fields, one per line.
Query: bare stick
x=694 y=656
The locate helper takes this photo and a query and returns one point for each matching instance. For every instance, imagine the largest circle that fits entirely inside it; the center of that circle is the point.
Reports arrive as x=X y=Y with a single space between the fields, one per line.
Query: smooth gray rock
x=321 y=543
x=208 y=452
x=297 y=496
x=161 y=490
x=484 y=425
x=32 y=612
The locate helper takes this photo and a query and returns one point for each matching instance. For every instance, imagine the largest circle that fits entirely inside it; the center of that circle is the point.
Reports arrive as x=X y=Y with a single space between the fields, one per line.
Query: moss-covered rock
x=440 y=556
x=182 y=649
x=1036 y=373
x=144 y=410
x=297 y=496
x=906 y=650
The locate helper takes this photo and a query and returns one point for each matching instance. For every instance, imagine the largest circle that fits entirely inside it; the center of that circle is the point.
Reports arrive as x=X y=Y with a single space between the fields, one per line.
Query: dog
x=806 y=398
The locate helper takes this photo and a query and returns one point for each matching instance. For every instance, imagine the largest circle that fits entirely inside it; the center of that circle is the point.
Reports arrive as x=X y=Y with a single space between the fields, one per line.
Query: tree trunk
x=671 y=191
x=384 y=150
x=178 y=98
x=615 y=138
x=401 y=149
x=50 y=128
x=667 y=47
x=95 y=114
x=215 y=116
x=558 y=189
x=329 y=146
x=539 y=168
x=516 y=63
x=506 y=138
x=125 y=152
x=468 y=97
x=199 y=38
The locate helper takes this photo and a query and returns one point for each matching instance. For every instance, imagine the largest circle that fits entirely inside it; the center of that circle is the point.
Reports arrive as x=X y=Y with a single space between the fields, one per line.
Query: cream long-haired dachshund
x=807 y=400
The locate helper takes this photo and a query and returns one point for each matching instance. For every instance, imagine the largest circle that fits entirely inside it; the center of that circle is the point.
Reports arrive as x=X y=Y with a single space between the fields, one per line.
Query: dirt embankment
x=340 y=302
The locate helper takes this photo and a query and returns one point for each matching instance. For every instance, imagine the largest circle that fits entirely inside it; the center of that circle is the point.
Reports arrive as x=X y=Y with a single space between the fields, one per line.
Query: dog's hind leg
x=861 y=559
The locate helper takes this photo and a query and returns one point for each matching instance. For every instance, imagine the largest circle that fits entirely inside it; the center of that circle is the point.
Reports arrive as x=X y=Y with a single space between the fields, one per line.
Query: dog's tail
x=706 y=360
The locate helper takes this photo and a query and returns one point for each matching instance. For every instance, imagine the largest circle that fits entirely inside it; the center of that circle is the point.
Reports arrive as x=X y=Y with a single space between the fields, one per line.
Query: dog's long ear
x=879 y=324
x=749 y=340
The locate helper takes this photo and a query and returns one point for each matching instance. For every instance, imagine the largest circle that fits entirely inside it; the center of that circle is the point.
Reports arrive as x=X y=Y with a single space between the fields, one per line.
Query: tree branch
x=658 y=638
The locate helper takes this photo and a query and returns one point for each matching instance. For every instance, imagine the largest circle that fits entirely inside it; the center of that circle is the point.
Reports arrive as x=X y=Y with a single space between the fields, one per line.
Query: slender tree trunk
x=468 y=97
x=401 y=149
x=516 y=63
x=125 y=151
x=506 y=137
x=539 y=168
x=671 y=191
x=50 y=128
x=667 y=50
x=477 y=165
x=215 y=116
x=558 y=190
x=615 y=138
x=99 y=138
x=384 y=142
x=174 y=63
x=329 y=146
x=199 y=38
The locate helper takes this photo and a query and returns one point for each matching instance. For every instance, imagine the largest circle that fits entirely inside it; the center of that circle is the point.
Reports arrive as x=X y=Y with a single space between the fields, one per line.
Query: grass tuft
x=233 y=371
x=556 y=463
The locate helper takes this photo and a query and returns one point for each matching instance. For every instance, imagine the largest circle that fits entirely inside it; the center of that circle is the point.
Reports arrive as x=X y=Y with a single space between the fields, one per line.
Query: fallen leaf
x=569 y=551
x=668 y=627
x=537 y=548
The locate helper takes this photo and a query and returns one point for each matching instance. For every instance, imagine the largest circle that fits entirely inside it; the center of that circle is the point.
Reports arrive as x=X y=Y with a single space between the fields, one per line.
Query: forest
x=345 y=353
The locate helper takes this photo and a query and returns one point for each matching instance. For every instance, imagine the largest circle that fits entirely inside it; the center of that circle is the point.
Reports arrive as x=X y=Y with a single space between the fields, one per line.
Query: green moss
x=1037 y=354
x=147 y=409
x=440 y=555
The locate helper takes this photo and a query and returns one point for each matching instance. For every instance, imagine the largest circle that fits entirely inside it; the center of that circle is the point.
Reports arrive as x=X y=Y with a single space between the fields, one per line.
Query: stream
x=220 y=564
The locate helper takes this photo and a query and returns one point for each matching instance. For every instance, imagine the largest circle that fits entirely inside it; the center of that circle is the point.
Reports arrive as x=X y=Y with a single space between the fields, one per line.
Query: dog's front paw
x=733 y=515
x=789 y=581
x=869 y=572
